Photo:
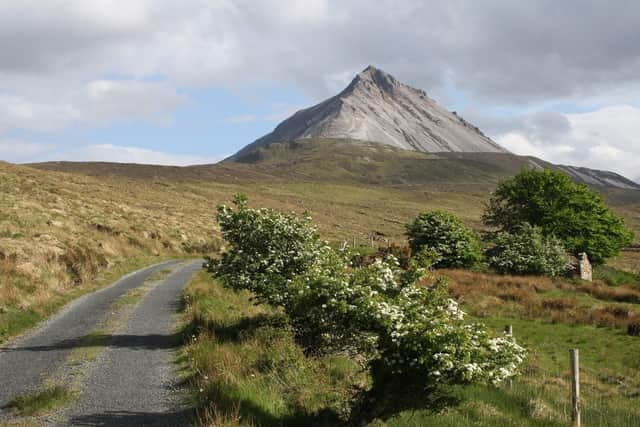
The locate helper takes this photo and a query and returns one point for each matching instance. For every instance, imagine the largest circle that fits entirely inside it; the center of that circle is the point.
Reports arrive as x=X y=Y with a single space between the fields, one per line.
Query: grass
x=552 y=300
x=40 y=402
x=245 y=369
x=615 y=277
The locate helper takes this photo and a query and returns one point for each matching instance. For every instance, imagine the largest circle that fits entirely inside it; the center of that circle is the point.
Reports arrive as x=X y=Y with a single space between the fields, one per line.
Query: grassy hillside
x=63 y=234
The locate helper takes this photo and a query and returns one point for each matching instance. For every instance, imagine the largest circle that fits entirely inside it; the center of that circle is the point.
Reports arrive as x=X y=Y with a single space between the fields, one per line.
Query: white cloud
x=15 y=150
x=108 y=100
x=127 y=154
x=603 y=139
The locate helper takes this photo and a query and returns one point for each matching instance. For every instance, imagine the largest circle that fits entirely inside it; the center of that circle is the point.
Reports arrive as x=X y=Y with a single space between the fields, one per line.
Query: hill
x=356 y=162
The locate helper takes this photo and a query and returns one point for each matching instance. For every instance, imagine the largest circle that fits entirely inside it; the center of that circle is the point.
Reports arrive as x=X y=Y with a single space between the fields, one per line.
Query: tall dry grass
x=554 y=300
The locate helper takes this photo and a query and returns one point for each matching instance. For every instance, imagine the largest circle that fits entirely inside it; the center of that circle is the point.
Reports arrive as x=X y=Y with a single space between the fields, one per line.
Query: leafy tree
x=527 y=251
x=447 y=237
x=413 y=337
x=572 y=212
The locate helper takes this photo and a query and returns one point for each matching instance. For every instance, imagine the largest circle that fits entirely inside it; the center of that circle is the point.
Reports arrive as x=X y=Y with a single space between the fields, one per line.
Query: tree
x=453 y=244
x=527 y=251
x=572 y=212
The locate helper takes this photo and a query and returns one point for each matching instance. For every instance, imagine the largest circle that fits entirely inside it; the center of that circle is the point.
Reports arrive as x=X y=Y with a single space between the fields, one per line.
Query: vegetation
x=134 y=215
x=412 y=337
x=246 y=369
x=526 y=250
x=40 y=402
x=446 y=237
x=572 y=212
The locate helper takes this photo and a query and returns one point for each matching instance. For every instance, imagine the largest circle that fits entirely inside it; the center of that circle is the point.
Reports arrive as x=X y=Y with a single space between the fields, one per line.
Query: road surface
x=131 y=380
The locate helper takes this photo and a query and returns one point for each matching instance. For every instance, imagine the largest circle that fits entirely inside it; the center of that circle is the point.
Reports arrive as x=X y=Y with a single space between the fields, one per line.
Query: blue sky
x=192 y=81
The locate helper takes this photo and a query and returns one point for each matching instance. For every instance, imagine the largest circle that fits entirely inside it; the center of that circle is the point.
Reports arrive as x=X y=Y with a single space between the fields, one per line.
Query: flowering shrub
x=528 y=251
x=267 y=250
x=413 y=336
x=447 y=236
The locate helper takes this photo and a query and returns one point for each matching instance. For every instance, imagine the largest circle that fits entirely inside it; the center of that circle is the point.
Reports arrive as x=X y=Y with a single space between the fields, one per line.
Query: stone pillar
x=586 y=271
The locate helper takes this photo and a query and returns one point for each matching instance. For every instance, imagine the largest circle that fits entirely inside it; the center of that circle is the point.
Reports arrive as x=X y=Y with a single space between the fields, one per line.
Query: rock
x=584 y=267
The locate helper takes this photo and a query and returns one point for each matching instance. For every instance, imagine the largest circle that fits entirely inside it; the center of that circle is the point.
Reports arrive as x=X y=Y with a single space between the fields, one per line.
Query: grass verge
x=245 y=369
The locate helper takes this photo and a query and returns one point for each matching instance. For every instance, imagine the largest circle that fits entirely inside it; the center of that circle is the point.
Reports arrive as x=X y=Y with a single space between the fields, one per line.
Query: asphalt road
x=132 y=381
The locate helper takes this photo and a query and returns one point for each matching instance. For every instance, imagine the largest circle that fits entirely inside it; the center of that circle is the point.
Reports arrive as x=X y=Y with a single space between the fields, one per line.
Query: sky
x=192 y=81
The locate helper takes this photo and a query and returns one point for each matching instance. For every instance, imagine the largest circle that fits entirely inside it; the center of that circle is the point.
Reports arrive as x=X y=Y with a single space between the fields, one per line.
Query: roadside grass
x=244 y=369
x=40 y=402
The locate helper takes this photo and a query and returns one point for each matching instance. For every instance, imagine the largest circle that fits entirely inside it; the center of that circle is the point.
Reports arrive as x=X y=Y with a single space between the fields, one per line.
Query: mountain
x=378 y=108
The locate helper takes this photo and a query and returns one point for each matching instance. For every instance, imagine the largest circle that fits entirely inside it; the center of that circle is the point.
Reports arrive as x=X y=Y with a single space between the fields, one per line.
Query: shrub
x=414 y=338
x=444 y=234
x=572 y=212
x=527 y=251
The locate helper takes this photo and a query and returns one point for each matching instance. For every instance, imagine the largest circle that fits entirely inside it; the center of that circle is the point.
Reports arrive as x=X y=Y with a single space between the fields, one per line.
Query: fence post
x=354 y=243
x=371 y=241
x=508 y=331
x=575 y=387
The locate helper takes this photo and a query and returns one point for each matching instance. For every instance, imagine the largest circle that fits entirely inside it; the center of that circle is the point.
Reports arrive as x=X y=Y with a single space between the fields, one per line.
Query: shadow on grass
x=225 y=400
x=243 y=328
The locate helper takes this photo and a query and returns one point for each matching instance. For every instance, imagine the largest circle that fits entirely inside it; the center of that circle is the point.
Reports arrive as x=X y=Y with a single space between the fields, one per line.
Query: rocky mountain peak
x=372 y=77
x=376 y=107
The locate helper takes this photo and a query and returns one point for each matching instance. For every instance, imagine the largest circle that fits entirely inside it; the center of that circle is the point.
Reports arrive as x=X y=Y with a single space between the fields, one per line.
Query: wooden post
x=354 y=243
x=575 y=387
x=508 y=331
x=371 y=241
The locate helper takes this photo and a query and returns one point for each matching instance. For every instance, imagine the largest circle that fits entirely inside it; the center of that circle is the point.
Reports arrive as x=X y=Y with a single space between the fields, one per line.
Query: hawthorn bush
x=412 y=336
x=443 y=233
x=526 y=250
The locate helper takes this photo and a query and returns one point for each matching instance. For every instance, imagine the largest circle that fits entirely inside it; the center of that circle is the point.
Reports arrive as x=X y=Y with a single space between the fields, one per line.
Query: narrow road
x=132 y=381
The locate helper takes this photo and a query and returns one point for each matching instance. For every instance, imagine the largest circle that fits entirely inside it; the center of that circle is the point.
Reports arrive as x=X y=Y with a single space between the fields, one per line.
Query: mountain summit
x=378 y=108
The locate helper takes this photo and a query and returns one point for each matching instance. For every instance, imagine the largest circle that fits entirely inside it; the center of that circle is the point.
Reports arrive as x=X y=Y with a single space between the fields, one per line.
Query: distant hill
x=378 y=108
x=359 y=162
